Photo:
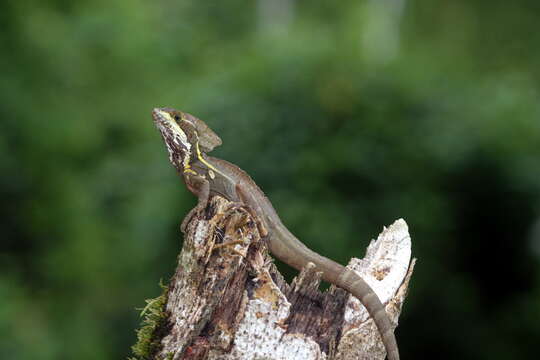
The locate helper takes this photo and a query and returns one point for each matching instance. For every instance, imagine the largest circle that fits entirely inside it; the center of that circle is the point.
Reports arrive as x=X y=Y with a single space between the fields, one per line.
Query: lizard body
x=188 y=139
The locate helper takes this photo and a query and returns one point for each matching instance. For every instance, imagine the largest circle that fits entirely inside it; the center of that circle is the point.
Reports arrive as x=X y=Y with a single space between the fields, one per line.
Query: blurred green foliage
x=349 y=115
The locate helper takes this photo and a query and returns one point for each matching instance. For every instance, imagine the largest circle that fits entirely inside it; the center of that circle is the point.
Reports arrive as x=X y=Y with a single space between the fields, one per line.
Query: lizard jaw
x=176 y=140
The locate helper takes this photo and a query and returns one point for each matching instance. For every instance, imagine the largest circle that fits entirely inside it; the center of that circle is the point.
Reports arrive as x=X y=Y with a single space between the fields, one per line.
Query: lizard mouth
x=165 y=122
x=175 y=138
x=168 y=127
x=159 y=117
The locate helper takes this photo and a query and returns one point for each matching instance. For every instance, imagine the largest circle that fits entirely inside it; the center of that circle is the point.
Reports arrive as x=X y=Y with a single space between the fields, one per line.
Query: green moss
x=152 y=327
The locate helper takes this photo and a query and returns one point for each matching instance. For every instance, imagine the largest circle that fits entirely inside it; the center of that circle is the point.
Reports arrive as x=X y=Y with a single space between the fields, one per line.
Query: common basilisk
x=188 y=139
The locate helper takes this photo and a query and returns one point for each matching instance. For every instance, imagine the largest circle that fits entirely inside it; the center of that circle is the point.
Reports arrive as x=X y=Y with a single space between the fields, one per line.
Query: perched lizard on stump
x=188 y=139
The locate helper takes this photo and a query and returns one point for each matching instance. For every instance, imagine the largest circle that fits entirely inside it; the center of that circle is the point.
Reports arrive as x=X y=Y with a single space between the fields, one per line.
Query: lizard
x=188 y=140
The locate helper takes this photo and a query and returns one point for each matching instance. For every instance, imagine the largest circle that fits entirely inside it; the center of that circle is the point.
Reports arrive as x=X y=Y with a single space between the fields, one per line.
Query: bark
x=228 y=301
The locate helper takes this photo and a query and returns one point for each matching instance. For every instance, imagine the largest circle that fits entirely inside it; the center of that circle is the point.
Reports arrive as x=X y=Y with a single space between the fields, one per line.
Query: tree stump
x=228 y=301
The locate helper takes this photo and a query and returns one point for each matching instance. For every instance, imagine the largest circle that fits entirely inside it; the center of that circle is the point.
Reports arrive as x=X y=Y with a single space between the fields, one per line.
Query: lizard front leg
x=200 y=187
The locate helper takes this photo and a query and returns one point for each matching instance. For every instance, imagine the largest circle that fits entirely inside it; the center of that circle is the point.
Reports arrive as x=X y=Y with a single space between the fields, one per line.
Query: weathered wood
x=228 y=301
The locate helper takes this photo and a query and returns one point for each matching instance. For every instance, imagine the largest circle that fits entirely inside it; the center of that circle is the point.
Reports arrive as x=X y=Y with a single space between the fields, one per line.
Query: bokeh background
x=349 y=114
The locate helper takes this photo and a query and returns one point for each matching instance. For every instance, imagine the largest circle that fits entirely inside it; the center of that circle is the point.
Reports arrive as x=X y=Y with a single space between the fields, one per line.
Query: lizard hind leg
x=261 y=227
x=234 y=219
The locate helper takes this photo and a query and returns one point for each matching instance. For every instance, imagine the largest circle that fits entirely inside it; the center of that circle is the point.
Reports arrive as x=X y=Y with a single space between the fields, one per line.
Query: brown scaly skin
x=188 y=139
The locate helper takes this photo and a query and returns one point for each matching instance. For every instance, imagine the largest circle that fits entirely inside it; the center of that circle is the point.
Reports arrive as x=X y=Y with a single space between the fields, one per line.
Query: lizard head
x=183 y=134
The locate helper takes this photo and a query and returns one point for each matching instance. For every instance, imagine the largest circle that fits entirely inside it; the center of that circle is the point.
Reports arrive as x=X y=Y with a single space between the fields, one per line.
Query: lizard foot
x=230 y=246
x=260 y=225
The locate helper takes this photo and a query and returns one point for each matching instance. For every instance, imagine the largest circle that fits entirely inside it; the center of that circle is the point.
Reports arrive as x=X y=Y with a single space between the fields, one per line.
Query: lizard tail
x=290 y=250
x=352 y=282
